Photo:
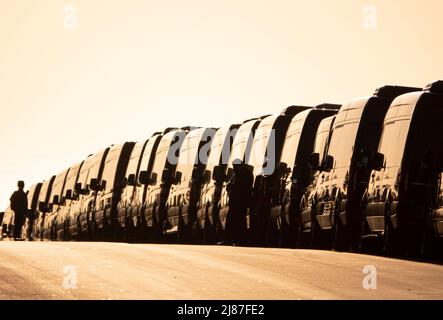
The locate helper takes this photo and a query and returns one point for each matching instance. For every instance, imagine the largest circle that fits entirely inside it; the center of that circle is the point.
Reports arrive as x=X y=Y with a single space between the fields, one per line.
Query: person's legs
x=16 y=231
x=18 y=224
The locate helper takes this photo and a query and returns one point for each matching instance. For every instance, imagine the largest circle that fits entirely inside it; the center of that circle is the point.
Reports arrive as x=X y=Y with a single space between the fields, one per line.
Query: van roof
x=169 y=129
x=331 y=106
x=435 y=87
x=391 y=92
x=187 y=128
x=255 y=119
x=293 y=110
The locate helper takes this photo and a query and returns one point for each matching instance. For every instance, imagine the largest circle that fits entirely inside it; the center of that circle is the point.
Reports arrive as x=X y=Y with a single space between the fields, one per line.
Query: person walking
x=19 y=204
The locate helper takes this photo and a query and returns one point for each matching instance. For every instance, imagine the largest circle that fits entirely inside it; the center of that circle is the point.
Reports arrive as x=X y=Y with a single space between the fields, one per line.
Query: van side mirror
x=56 y=200
x=206 y=176
x=78 y=188
x=196 y=174
x=131 y=180
x=68 y=195
x=283 y=169
x=177 y=178
x=379 y=161
x=314 y=161
x=229 y=174
x=166 y=176
x=143 y=177
x=153 y=179
x=329 y=163
x=94 y=184
x=42 y=206
x=218 y=173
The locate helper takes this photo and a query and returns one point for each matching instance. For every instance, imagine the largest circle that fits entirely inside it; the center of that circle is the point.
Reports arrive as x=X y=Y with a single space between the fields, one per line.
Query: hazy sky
x=76 y=76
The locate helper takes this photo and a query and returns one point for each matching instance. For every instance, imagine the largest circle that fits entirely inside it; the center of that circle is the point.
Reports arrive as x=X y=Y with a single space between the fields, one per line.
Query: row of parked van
x=329 y=175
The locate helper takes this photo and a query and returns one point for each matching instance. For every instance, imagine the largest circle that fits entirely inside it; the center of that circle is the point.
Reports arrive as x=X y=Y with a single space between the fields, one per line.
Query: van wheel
x=424 y=244
x=360 y=244
x=337 y=235
x=388 y=238
x=218 y=231
x=79 y=232
x=128 y=231
x=314 y=234
x=208 y=232
x=271 y=238
x=298 y=239
x=181 y=232
x=93 y=234
x=425 y=241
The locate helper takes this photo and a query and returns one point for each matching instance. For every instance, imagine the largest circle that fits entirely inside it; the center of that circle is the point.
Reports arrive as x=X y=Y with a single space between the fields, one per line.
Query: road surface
x=82 y=270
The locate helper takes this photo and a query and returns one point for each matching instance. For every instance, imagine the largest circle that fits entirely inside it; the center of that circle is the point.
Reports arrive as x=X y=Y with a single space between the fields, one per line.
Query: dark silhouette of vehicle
x=213 y=178
x=264 y=159
x=159 y=183
x=48 y=219
x=315 y=180
x=2 y=214
x=43 y=207
x=33 y=195
x=130 y=209
x=431 y=245
x=4 y=227
x=240 y=150
x=186 y=187
x=404 y=182
x=63 y=221
x=108 y=189
x=287 y=184
x=82 y=209
x=353 y=144
x=8 y=223
x=328 y=176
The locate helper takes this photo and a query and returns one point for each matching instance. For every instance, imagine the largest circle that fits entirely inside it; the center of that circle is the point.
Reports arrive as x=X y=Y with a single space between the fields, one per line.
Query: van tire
x=388 y=238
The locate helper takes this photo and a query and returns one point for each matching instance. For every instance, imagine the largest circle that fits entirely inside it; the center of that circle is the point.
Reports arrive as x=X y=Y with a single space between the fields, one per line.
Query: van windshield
x=217 y=147
x=393 y=140
x=72 y=176
x=110 y=168
x=320 y=143
x=342 y=144
x=191 y=153
x=134 y=159
x=58 y=185
x=44 y=191
x=186 y=161
x=241 y=146
x=291 y=143
x=262 y=141
x=90 y=168
x=31 y=194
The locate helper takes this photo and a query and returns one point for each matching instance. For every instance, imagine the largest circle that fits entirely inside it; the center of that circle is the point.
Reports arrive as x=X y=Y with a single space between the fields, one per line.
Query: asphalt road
x=81 y=270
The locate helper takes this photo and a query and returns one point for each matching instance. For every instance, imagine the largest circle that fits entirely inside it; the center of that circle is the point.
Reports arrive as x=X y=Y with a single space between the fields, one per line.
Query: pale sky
x=129 y=68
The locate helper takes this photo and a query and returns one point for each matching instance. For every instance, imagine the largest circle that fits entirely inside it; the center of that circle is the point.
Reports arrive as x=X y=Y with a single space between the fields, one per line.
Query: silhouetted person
x=240 y=195
x=19 y=204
